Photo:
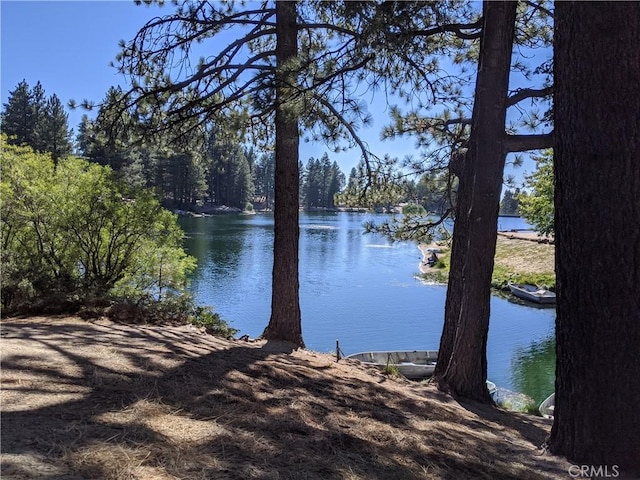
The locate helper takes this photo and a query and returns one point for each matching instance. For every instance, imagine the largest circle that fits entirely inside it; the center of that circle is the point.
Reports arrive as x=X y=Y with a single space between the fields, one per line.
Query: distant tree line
x=430 y=192
x=209 y=167
x=216 y=168
x=30 y=118
x=320 y=181
x=510 y=202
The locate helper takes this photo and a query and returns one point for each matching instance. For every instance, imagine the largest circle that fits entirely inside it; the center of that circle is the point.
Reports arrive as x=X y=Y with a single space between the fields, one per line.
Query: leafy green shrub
x=75 y=240
x=72 y=231
x=211 y=321
x=177 y=308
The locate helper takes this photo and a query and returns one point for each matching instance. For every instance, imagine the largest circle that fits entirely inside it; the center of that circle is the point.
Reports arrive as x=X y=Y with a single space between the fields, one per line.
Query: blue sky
x=68 y=45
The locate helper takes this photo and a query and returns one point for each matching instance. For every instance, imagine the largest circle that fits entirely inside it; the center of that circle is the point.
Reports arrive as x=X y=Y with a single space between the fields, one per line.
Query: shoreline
x=424 y=249
x=529 y=235
x=521 y=257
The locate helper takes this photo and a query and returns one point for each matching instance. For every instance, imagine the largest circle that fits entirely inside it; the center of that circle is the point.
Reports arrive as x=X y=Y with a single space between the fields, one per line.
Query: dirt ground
x=101 y=400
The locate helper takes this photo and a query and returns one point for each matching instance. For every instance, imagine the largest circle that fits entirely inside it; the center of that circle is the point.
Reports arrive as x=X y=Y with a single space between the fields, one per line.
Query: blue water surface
x=361 y=290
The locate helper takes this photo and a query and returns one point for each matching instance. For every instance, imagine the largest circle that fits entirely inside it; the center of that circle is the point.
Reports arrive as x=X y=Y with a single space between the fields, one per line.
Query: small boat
x=532 y=293
x=492 y=387
x=547 y=406
x=415 y=365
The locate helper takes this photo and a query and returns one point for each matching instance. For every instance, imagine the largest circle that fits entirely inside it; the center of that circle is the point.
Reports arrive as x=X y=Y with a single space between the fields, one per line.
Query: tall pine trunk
x=462 y=361
x=597 y=222
x=285 y=323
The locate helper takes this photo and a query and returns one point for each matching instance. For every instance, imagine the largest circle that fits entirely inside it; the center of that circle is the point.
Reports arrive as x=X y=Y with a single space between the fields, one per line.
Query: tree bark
x=597 y=231
x=285 y=323
x=462 y=363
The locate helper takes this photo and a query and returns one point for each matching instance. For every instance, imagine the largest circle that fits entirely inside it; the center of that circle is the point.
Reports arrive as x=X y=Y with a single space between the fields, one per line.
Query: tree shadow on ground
x=103 y=400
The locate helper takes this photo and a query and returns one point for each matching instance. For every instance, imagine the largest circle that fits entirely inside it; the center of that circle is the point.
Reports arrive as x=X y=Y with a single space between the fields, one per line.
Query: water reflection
x=533 y=368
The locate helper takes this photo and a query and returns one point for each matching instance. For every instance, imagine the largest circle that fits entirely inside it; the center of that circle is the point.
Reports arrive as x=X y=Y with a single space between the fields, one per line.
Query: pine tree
x=509 y=203
x=335 y=184
x=31 y=119
x=52 y=129
x=39 y=108
x=313 y=185
x=18 y=119
x=243 y=188
x=264 y=180
x=86 y=136
x=597 y=186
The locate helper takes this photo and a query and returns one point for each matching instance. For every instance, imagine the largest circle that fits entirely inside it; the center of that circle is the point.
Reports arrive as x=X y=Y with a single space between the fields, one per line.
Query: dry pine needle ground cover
x=100 y=400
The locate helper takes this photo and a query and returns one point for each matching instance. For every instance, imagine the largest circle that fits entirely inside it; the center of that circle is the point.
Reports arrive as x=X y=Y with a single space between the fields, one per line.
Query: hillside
x=104 y=400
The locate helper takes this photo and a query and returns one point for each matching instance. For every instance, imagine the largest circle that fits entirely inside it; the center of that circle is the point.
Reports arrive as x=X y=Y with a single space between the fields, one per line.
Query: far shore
x=521 y=256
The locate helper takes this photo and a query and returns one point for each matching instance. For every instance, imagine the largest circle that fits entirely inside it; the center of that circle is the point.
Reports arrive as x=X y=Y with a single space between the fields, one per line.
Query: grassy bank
x=516 y=260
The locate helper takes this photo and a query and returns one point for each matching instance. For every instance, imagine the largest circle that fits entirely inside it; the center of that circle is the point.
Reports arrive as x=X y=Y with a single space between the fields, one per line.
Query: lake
x=359 y=289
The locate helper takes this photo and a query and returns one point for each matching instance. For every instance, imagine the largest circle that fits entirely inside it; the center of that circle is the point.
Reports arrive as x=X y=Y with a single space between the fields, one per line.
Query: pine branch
x=524 y=93
x=327 y=26
x=457 y=28
x=523 y=143
x=366 y=153
x=539 y=7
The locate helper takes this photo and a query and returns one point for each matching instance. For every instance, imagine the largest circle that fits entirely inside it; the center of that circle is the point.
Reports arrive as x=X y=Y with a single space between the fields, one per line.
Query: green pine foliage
x=510 y=203
x=537 y=206
x=29 y=118
x=379 y=188
x=320 y=181
x=264 y=181
x=214 y=167
x=209 y=167
x=18 y=116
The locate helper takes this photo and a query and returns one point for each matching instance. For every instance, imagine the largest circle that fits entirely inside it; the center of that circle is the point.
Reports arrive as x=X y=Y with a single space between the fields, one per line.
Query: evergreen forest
x=213 y=170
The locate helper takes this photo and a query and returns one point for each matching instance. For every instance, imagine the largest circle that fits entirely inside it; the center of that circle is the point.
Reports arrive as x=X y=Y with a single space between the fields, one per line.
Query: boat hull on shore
x=532 y=293
x=414 y=365
x=547 y=407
